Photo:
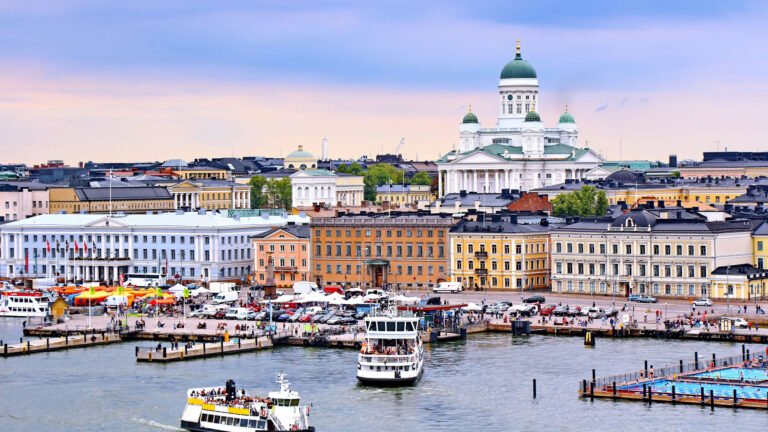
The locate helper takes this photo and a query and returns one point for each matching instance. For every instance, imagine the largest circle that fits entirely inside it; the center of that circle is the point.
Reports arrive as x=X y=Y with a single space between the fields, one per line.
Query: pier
x=201 y=350
x=65 y=342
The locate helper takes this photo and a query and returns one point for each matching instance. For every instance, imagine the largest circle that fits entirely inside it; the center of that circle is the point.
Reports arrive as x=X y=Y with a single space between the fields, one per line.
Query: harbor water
x=483 y=383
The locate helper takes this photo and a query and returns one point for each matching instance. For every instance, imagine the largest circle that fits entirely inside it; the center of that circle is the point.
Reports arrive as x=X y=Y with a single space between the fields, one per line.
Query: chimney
x=462 y=193
x=679 y=203
x=673 y=161
x=661 y=204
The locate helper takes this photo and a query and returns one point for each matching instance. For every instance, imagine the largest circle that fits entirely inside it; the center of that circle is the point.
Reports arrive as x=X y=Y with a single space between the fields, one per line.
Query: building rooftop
x=157 y=220
x=300 y=231
x=123 y=193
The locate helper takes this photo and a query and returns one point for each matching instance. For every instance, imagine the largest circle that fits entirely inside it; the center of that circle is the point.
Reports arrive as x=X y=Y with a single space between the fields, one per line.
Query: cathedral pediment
x=478 y=157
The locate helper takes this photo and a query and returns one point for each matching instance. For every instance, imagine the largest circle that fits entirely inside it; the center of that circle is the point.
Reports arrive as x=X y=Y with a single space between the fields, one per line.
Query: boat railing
x=385 y=359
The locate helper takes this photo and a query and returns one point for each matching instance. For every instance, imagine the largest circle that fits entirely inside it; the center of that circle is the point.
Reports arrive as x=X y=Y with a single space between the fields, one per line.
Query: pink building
x=289 y=248
x=22 y=200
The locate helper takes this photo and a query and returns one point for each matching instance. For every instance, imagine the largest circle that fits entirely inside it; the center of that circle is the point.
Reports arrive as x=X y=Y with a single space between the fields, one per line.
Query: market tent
x=405 y=300
x=314 y=297
x=336 y=299
x=472 y=307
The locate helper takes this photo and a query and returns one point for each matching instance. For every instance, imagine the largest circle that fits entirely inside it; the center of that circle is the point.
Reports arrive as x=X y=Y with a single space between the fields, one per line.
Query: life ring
x=263 y=413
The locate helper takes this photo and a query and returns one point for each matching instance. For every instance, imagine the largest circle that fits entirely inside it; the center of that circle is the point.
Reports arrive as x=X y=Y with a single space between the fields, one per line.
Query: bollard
x=673 y=393
x=614 y=389
x=583 y=385
x=712 y=399
x=66 y=339
x=185 y=350
x=696 y=360
x=203 y=348
x=238 y=343
x=681 y=366
x=222 y=346
x=28 y=348
x=534 y=388
x=5 y=349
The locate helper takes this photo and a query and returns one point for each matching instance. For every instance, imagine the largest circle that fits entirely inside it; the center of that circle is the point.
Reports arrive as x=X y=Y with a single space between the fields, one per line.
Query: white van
x=208 y=311
x=225 y=297
x=451 y=287
x=236 y=313
x=305 y=287
x=221 y=287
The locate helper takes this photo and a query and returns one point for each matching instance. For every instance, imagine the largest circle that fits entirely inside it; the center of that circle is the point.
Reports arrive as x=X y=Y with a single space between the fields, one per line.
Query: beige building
x=140 y=199
x=669 y=252
x=22 y=200
x=288 y=248
x=403 y=194
x=201 y=173
x=210 y=194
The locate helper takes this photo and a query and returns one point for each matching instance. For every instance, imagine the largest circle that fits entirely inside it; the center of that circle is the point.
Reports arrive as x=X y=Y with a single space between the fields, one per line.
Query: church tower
x=518 y=91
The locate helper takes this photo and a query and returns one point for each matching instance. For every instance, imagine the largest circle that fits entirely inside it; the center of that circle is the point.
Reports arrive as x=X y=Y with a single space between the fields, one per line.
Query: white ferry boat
x=23 y=305
x=393 y=353
x=215 y=409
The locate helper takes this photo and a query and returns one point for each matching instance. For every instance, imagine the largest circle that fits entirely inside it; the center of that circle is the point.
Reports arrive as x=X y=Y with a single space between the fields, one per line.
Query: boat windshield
x=286 y=402
x=392 y=326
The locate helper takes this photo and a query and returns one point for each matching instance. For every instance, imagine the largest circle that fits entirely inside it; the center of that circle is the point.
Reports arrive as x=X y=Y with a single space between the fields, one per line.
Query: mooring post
x=748 y=355
x=47 y=343
x=165 y=352
x=137 y=352
x=534 y=388
x=714 y=360
x=594 y=378
x=712 y=399
x=646 y=369
x=735 y=398
x=650 y=395
x=696 y=360
x=743 y=352
x=592 y=390
x=673 y=393
x=614 y=389
x=681 y=366
x=645 y=391
x=28 y=347
x=583 y=386
x=703 y=401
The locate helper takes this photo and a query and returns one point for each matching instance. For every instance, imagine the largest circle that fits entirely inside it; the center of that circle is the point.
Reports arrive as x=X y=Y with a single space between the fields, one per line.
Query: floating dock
x=735 y=382
x=201 y=350
x=65 y=342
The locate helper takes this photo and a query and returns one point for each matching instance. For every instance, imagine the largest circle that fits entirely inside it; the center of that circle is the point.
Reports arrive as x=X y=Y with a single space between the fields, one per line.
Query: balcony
x=481 y=271
x=481 y=254
x=285 y=268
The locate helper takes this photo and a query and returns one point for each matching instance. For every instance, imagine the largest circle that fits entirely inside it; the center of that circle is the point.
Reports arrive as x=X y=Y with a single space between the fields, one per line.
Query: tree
x=380 y=174
x=258 y=197
x=421 y=178
x=586 y=201
x=354 y=169
x=278 y=193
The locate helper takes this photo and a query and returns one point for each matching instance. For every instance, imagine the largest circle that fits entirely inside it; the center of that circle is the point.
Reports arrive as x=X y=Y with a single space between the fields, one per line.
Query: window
x=655 y=249
x=679 y=249
x=458 y=247
x=703 y=250
x=667 y=249
x=568 y=248
x=690 y=250
x=580 y=248
x=591 y=248
x=629 y=249
x=558 y=247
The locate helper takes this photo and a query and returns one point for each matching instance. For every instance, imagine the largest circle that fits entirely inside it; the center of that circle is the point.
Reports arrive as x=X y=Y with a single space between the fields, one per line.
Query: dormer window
x=629 y=223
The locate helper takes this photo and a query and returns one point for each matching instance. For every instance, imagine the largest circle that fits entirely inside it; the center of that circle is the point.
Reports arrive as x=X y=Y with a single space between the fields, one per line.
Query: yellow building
x=760 y=246
x=201 y=173
x=403 y=194
x=127 y=199
x=495 y=252
x=211 y=195
x=741 y=282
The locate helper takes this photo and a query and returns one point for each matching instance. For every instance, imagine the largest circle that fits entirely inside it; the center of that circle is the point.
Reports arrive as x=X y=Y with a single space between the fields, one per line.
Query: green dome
x=566 y=117
x=470 y=117
x=518 y=68
x=532 y=116
x=300 y=154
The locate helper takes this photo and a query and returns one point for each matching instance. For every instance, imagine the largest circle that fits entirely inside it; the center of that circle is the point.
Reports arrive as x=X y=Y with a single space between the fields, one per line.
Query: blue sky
x=597 y=56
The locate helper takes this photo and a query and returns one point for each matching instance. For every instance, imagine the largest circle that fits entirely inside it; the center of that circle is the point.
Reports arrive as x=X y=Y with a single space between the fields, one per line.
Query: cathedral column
x=474 y=174
x=439 y=184
x=496 y=187
x=486 y=186
x=465 y=180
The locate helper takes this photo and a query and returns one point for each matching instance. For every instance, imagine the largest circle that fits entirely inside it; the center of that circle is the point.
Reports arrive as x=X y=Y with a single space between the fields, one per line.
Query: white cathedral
x=519 y=153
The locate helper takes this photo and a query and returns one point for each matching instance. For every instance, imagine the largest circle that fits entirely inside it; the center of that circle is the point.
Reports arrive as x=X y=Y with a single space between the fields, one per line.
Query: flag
x=34 y=266
x=122 y=279
x=66 y=246
x=186 y=292
x=76 y=248
x=92 y=290
x=48 y=246
x=85 y=248
x=58 y=246
x=159 y=292
x=166 y=263
x=26 y=261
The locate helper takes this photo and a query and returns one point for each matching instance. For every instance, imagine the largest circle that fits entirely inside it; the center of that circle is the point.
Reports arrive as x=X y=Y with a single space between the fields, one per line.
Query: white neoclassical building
x=318 y=186
x=519 y=152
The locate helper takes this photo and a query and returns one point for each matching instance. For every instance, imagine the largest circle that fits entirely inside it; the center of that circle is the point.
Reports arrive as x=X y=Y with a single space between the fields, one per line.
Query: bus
x=144 y=280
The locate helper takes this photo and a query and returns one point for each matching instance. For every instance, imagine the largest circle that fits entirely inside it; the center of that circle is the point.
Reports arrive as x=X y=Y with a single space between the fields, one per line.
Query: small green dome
x=532 y=116
x=518 y=68
x=300 y=154
x=470 y=117
x=566 y=117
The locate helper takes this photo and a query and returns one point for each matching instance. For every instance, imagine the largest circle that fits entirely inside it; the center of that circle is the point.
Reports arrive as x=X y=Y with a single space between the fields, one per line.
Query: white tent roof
x=405 y=300
x=177 y=288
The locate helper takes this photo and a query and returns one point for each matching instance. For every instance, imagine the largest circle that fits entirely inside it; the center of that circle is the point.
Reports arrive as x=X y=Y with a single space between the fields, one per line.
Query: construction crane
x=399 y=145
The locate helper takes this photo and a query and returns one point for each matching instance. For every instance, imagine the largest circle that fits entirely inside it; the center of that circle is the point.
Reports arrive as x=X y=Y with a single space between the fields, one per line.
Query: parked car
x=702 y=302
x=547 y=310
x=536 y=298
x=640 y=298
x=595 y=313
x=611 y=313
x=198 y=313
x=296 y=315
x=305 y=318
x=648 y=299
x=560 y=311
x=220 y=314
x=740 y=323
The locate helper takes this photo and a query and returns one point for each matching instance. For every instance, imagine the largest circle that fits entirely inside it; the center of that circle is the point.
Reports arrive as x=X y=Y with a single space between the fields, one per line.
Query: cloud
x=602 y=107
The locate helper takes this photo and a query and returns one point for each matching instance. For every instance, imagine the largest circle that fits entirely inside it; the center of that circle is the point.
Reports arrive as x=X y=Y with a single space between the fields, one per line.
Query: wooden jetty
x=201 y=350
x=65 y=342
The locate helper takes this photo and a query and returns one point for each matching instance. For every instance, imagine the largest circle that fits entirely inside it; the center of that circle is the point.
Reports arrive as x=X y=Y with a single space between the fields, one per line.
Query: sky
x=145 y=80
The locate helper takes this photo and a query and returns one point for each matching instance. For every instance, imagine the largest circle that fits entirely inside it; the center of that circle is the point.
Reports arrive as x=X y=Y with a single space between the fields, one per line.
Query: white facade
x=519 y=152
x=310 y=187
x=203 y=247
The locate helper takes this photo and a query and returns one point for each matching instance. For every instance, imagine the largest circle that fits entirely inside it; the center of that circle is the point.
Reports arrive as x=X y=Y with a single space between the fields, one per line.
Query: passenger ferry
x=393 y=353
x=23 y=305
x=215 y=409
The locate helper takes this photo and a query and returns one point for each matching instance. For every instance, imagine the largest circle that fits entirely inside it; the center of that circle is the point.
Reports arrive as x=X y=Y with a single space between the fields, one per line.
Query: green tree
x=378 y=175
x=421 y=178
x=278 y=193
x=354 y=168
x=586 y=201
x=258 y=197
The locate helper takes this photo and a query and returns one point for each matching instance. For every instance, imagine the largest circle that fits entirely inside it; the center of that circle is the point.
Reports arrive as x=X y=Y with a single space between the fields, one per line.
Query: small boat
x=23 y=305
x=213 y=409
x=393 y=353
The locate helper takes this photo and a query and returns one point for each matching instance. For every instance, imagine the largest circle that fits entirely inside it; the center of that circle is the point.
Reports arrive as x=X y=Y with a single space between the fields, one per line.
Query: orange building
x=405 y=250
x=289 y=248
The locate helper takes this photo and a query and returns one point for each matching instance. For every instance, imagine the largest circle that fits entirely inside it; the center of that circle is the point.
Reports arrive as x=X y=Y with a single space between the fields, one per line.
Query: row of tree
x=587 y=201
x=270 y=193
